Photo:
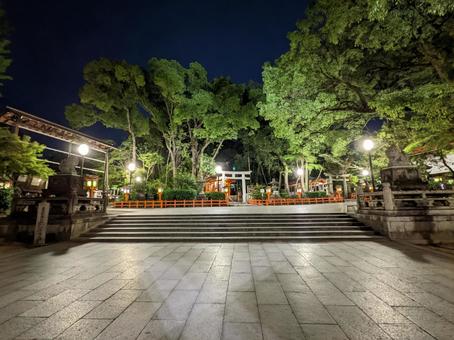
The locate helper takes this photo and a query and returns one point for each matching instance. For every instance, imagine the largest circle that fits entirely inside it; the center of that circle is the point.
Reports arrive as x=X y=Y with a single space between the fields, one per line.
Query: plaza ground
x=332 y=290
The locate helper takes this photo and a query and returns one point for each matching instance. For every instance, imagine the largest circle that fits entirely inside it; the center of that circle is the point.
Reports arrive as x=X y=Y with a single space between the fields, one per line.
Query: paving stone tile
x=278 y=322
x=282 y=267
x=263 y=274
x=323 y=332
x=375 y=308
x=308 y=309
x=162 y=329
x=47 y=293
x=14 y=296
x=112 y=307
x=241 y=307
x=105 y=291
x=241 y=282
x=177 y=306
x=270 y=293
x=16 y=326
x=308 y=272
x=59 y=322
x=406 y=331
x=131 y=322
x=204 y=322
x=242 y=331
x=429 y=321
x=241 y=266
x=55 y=303
x=16 y=308
x=219 y=273
x=292 y=283
x=84 y=329
x=159 y=291
x=97 y=280
x=435 y=304
x=355 y=323
x=344 y=283
x=213 y=292
x=327 y=293
x=192 y=281
x=446 y=293
x=200 y=267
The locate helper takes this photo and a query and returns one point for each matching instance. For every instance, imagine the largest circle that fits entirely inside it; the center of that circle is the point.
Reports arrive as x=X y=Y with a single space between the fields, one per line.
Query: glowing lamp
x=218 y=169
x=365 y=172
x=300 y=172
x=132 y=166
x=368 y=144
x=83 y=149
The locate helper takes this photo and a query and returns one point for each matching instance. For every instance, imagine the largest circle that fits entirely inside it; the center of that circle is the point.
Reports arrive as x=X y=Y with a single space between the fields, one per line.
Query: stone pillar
x=243 y=188
x=388 y=197
x=344 y=186
x=330 y=185
x=42 y=218
x=106 y=182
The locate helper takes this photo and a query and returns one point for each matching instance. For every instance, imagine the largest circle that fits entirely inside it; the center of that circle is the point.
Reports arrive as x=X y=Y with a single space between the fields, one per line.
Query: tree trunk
x=286 y=185
x=133 y=137
x=445 y=163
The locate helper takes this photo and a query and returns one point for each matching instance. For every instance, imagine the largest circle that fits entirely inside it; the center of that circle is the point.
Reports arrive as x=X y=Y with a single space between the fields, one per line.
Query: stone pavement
x=324 y=208
x=335 y=290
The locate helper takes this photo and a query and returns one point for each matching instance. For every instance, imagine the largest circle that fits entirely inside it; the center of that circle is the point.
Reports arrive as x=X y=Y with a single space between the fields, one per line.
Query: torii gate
x=243 y=175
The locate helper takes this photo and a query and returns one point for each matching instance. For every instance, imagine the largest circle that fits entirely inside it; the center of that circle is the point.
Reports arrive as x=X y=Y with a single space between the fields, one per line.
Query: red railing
x=296 y=201
x=170 y=204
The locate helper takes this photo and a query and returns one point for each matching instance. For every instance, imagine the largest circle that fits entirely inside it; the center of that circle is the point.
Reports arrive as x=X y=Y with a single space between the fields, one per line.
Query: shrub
x=5 y=199
x=179 y=194
x=315 y=194
x=255 y=192
x=184 y=182
x=284 y=194
x=215 y=195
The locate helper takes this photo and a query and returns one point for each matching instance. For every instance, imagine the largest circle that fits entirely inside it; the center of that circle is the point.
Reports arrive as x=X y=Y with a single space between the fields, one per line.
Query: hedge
x=215 y=195
x=315 y=194
x=179 y=194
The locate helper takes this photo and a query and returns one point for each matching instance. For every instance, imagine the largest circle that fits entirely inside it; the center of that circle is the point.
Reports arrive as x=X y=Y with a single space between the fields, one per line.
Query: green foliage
x=184 y=181
x=215 y=195
x=5 y=59
x=179 y=194
x=20 y=156
x=5 y=199
x=255 y=192
x=315 y=194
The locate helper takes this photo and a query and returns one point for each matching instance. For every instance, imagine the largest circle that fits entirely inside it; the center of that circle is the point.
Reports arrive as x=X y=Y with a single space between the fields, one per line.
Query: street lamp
x=365 y=172
x=83 y=151
x=138 y=179
x=368 y=145
x=218 y=170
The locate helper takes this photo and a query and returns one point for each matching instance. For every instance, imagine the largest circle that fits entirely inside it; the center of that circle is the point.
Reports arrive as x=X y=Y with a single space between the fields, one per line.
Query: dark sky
x=53 y=40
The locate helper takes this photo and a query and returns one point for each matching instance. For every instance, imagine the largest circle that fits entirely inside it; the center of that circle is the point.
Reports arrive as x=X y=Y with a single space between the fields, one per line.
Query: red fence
x=295 y=201
x=170 y=204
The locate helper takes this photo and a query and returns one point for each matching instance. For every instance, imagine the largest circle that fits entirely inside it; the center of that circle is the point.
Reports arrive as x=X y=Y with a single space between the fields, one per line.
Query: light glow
x=83 y=149
x=368 y=144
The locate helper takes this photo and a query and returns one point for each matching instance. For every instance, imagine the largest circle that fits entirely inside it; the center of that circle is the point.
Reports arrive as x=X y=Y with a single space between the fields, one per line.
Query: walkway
x=337 y=290
x=239 y=209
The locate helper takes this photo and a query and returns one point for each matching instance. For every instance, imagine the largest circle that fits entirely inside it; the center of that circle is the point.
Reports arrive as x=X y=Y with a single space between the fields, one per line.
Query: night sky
x=53 y=40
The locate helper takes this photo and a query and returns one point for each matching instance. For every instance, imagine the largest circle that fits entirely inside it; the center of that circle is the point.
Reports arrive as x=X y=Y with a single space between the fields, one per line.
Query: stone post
x=388 y=197
x=42 y=218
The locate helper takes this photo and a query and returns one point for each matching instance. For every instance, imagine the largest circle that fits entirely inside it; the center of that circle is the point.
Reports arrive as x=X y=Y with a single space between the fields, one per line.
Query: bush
x=5 y=199
x=315 y=194
x=284 y=194
x=184 y=182
x=179 y=194
x=215 y=195
x=255 y=192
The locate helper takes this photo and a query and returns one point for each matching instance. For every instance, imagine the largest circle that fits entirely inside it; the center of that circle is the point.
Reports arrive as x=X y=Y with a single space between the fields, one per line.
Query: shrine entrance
x=233 y=183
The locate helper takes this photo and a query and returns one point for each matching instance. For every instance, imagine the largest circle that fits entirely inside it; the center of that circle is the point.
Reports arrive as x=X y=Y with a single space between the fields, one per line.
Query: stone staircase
x=229 y=227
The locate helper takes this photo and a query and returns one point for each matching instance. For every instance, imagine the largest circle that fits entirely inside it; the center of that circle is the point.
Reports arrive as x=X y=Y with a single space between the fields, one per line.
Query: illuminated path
x=335 y=290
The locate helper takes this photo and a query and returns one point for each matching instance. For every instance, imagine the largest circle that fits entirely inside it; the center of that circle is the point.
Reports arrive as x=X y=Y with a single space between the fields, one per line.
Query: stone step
x=231 y=238
x=234 y=216
x=229 y=232
x=202 y=228
x=231 y=224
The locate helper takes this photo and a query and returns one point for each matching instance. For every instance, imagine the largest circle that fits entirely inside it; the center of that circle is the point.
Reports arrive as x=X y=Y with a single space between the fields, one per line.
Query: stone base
x=419 y=226
x=60 y=228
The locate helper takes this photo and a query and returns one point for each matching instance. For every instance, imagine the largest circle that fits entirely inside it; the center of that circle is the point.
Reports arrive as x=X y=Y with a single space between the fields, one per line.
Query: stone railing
x=402 y=200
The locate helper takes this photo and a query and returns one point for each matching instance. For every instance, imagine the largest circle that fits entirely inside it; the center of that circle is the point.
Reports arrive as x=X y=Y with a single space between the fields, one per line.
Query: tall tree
x=5 y=59
x=112 y=96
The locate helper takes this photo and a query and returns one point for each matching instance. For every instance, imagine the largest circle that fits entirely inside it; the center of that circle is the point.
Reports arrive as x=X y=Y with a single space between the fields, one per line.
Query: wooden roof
x=29 y=122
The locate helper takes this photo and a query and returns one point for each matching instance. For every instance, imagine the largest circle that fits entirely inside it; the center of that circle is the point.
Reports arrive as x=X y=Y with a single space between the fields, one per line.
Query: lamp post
x=218 y=170
x=368 y=145
x=160 y=194
x=83 y=151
